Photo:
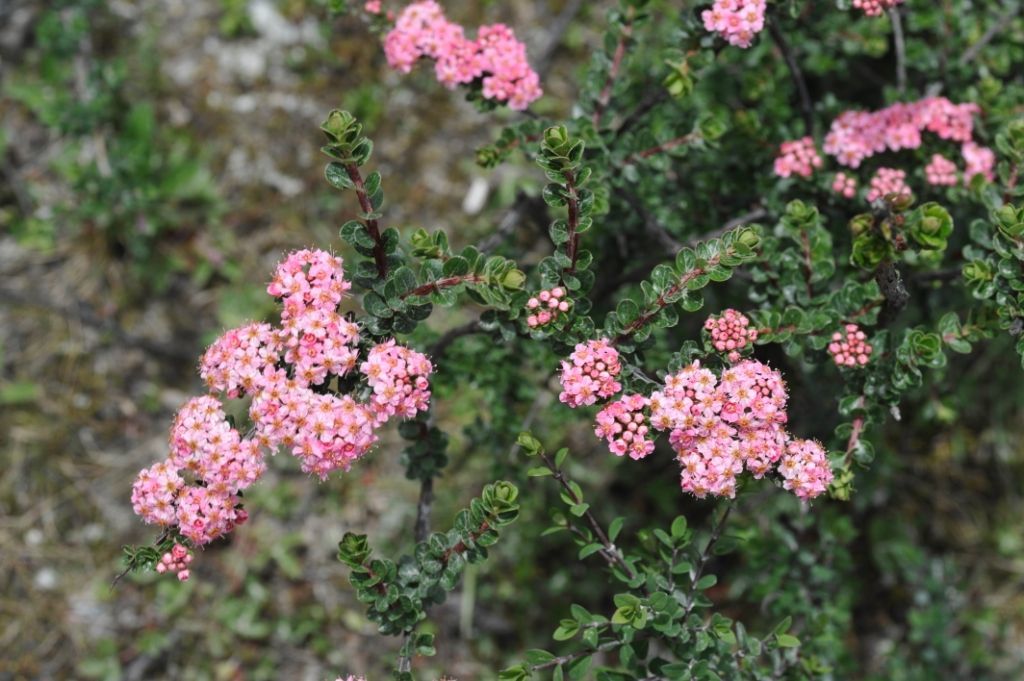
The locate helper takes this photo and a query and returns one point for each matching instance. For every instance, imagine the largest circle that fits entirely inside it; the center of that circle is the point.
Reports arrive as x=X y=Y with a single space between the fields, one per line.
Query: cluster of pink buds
x=850 y=348
x=888 y=181
x=177 y=561
x=730 y=332
x=372 y=7
x=589 y=374
x=845 y=185
x=940 y=171
x=738 y=21
x=624 y=425
x=798 y=157
x=289 y=373
x=496 y=57
x=546 y=307
x=874 y=8
x=805 y=469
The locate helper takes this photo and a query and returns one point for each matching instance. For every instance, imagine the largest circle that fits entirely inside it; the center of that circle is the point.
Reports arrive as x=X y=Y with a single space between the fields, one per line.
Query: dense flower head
x=850 y=348
x=730 y=332
x=888 y=181
x=874 y=8
x=177 y=561
x=308 y=279
x=235 y=363
x=798 y=157
x=737 y=21
x=623 y=424
x=718 y=427
x=980 y=161
x=372 y=6
x=858 y=135
x=398 y=377
x=805 y=469
x=319 y=342
x=547 y=307
x=289 y=373
x=155 y=491
x=495 y=56
x=940 y=171
x=845 y=185
x=589 y=373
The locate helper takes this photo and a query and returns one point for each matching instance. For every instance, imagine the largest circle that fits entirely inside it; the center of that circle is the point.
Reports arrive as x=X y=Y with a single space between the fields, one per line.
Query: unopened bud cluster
x=546 y=307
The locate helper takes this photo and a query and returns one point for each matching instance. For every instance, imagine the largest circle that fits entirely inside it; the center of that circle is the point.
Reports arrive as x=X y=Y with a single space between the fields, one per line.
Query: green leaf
x=787 y=641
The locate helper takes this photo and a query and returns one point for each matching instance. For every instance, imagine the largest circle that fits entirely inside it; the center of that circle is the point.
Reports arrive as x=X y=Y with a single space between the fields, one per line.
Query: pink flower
x=737 y=21
x=297 y=404
x=940 y=171
x=797 y=156
x=398 y=377
x=496 y=57
x=589 y=373
x=980 y=161
x=718 y=428
x=845 y=185
x=805 y=469
x=888 y=181
x=624 y=426
x=874 y=8
x=858 y=135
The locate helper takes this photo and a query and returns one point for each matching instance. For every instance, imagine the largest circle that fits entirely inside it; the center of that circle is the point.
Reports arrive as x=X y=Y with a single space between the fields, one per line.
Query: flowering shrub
x=659 y=196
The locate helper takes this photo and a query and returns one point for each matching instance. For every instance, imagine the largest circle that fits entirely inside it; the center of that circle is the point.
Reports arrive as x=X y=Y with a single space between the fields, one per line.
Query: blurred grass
x=92 y=372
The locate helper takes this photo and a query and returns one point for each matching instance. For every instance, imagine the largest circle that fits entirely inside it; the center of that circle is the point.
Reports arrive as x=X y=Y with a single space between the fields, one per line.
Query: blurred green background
x=157 y=160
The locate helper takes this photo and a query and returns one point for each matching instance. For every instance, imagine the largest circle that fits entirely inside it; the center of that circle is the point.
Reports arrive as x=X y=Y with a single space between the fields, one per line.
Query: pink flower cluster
x=288 y=372
x=940 y=171
x=546 y=307
x=398 y=377
x=730 y=332
x=845 y=185
x=874 y=8
x=888 y=181
x=177 y=561
x=624 y=425
x=797 y=156
x=718 y=427
x=805 y=469
x=850 y=347
x=858 y=135
x=589 y=373
x=738 y=21
x=980 y=161
x=496 y=56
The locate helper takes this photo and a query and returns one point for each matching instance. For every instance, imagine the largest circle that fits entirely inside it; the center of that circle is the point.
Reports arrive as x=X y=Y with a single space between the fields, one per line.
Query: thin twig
x=901 y=49
x=806 y=108
x=613 y=71
x=609 y=547
x=702 y=560
x=1001 y=22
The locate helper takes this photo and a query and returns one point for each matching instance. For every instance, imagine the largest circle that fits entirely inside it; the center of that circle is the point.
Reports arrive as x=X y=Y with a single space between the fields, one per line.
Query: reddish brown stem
x=446 y=282
x=380 y=258
x=620 y=52
x=662 y=301
x=855 y=433
x=664 y=146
